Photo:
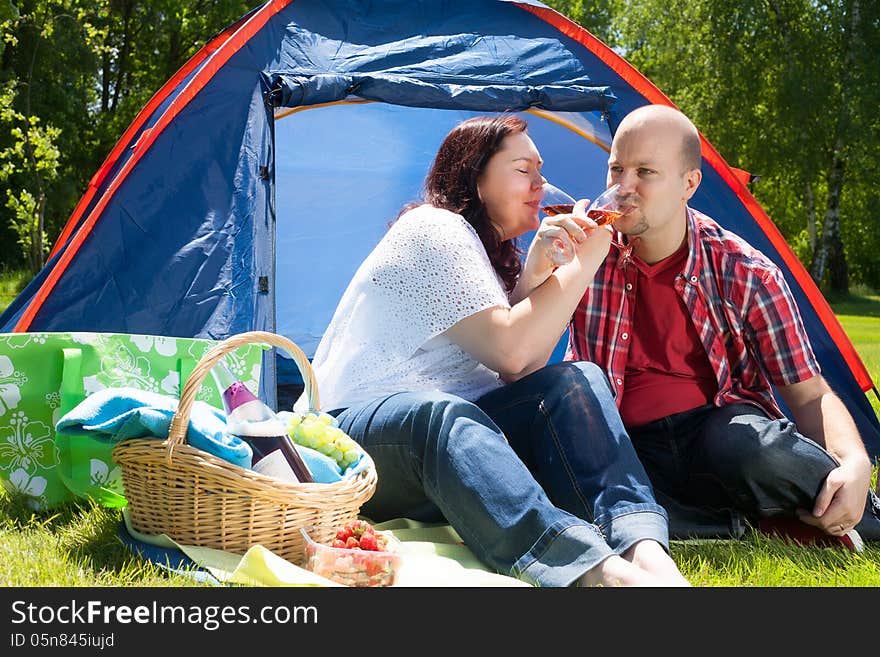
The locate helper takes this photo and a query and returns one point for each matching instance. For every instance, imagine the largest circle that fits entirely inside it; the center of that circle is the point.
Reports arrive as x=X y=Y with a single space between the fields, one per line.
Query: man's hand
x=822 y=417
x=841 y=502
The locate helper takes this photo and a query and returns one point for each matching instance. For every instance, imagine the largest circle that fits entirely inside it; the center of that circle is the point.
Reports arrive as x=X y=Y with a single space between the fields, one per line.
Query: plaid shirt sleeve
x=777 y=332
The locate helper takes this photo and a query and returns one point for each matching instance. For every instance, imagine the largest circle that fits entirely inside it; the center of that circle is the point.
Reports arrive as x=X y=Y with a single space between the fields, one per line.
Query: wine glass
x=554 y=202
x=606 y=208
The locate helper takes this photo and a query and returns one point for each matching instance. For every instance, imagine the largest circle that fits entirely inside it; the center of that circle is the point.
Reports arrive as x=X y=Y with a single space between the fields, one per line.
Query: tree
x=32 y=157
x=79 y=71
x=784 y=88
x=596 y=16
x=29 y=157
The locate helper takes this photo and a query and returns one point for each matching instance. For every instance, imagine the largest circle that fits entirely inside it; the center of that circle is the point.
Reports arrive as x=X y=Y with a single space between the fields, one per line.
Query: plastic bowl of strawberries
x=357 y=555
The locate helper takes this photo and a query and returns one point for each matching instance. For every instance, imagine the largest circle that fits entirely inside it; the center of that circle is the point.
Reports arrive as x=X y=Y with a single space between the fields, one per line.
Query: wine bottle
x=247 y=417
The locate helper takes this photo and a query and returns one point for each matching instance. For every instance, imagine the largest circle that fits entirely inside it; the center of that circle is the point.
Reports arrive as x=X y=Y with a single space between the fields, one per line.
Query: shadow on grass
x=17 y=513
x=855 y=304
x=85 y=536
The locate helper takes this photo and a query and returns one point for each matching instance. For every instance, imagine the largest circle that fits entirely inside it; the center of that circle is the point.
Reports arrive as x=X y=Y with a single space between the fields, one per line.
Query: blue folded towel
x=324 y=469
x=116 y=414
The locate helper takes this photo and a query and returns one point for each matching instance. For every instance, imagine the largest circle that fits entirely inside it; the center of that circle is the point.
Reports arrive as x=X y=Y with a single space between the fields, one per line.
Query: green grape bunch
x=318 y=431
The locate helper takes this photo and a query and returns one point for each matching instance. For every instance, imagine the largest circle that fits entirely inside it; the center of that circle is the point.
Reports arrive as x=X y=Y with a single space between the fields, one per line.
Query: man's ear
x=692 y=181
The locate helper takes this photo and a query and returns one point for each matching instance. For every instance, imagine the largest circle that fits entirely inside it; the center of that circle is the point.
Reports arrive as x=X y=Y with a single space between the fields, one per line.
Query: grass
x=860 y=317
x=11 y=283
x=77 y=545
x=758 y=561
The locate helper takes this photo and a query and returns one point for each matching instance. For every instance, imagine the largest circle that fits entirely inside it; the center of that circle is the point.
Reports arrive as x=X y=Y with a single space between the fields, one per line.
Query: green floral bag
x=44 y=375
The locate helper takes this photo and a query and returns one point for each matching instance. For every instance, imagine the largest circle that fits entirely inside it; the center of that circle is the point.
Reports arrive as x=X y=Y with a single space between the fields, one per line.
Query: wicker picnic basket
x=199 y=499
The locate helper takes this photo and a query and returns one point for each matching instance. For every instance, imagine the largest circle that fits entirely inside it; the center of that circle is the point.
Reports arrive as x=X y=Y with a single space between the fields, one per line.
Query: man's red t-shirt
x=667 y=370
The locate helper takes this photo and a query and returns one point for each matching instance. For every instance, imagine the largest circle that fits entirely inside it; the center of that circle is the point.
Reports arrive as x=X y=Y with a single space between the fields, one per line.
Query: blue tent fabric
x=248 y=194
x=292 y=91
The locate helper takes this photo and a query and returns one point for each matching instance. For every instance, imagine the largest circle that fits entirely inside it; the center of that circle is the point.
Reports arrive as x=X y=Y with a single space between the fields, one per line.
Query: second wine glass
x=604 y=210
x=607 y=208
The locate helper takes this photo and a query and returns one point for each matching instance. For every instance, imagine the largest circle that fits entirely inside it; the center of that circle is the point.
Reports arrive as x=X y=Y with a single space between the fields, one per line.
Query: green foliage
x=29 y=162
x=11 y=283
x=779 y=87
x=801 y=245
x=597 y=16
x=85 y=68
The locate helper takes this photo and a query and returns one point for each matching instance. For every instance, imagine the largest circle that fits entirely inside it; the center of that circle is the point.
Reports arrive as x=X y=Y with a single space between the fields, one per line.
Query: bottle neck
x=237 y=395
x=234 y=392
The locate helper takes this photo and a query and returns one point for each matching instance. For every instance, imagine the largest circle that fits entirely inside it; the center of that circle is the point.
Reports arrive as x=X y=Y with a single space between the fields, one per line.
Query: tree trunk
x=829 y=251
x=35 y=257
x=106 y=72
x=811 y=216
x=174 y=57
x=122 y=58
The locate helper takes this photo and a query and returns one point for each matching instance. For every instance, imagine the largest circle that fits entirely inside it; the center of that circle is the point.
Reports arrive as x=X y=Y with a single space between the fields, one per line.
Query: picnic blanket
x=433 y=556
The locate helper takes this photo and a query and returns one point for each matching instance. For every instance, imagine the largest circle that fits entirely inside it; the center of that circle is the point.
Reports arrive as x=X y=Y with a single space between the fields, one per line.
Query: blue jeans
x=736 y=460
x=538 y=477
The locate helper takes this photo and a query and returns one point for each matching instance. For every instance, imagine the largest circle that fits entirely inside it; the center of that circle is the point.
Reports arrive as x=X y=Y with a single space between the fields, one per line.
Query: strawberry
x=368 y=542
x=338 y=543
x=351 y=542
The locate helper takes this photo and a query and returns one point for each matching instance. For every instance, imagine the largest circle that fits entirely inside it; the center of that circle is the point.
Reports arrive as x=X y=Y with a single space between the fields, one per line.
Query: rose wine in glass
x=606 y=208
x=556 y=202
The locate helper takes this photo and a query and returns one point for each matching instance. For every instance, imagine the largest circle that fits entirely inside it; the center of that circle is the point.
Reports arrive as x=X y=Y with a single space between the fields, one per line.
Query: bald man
x=693 y=327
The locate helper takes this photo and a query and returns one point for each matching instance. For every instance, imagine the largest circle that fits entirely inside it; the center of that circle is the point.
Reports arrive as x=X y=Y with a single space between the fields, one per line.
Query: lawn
x=860 y=317
x=77 y=545
x=11 y=283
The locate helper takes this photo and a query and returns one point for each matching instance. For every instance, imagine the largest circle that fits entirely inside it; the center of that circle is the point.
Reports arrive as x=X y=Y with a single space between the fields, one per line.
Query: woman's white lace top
x=428 y=272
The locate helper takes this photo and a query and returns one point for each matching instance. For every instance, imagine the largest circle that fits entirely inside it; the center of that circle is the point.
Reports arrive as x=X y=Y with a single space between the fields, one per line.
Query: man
x=692 y=326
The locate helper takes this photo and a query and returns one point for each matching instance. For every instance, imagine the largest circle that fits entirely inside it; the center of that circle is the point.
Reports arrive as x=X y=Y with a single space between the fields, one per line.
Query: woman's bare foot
x=616 y=571
x=652 y=558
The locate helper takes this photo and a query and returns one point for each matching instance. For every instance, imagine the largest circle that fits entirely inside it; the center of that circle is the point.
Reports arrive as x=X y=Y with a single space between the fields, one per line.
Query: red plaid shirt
x=739 y=302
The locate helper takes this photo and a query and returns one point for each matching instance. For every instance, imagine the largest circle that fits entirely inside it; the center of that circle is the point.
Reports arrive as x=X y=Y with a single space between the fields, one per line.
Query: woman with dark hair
x=435 y=359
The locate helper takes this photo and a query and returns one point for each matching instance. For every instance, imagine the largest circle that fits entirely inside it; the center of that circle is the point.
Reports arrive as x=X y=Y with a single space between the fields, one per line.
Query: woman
x=434 y=362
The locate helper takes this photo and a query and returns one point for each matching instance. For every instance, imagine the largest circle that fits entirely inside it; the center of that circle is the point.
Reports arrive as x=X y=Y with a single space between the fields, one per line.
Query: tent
x=251 y=186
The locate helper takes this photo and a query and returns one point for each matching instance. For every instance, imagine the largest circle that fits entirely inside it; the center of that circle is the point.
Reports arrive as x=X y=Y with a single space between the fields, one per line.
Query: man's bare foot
x=652 y=558
x=616 y=571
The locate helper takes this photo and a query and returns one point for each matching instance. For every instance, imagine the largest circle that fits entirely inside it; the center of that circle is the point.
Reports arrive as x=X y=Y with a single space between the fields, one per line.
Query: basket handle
x=180 y=421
